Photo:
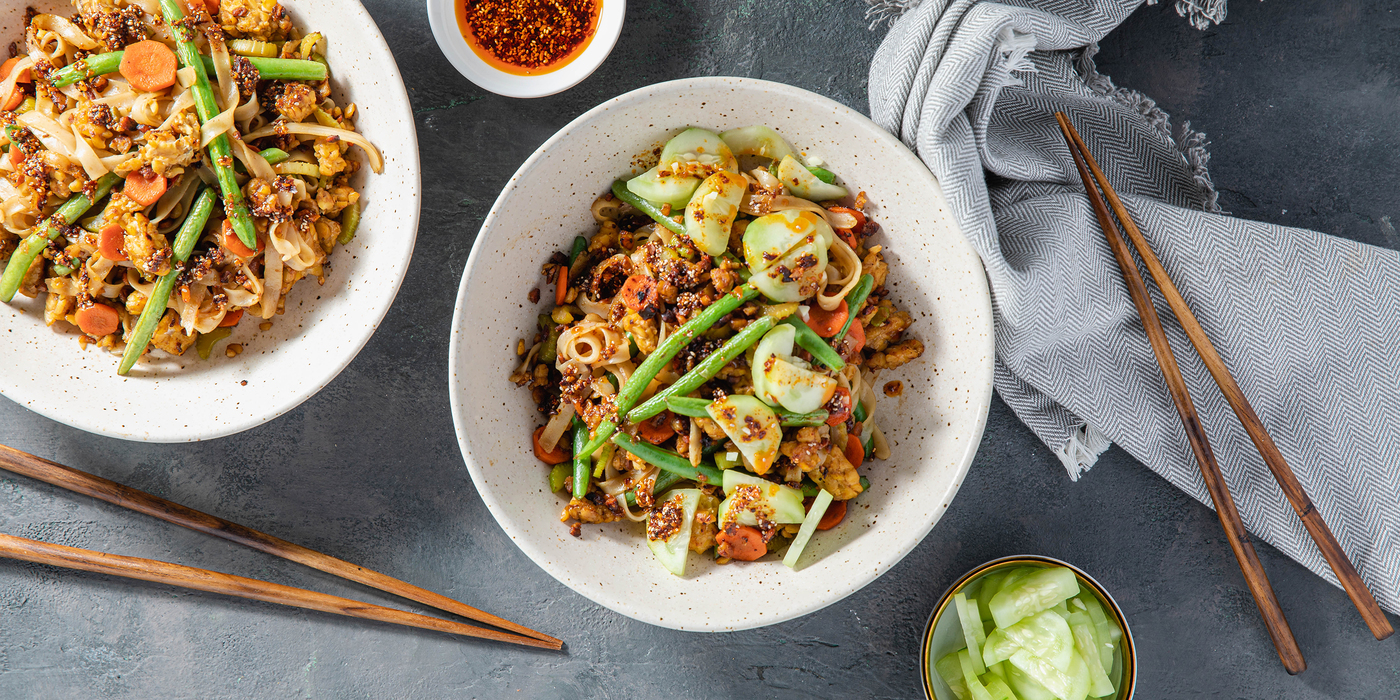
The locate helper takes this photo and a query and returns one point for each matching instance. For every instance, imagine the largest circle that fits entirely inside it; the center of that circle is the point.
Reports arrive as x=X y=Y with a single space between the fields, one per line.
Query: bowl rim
x=330 y=370
x=1129 y=652
x=442 y=18
x=982 y=393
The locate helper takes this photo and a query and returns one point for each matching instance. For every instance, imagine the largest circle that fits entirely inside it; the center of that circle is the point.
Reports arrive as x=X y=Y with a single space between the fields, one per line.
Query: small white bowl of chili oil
x=526 y=48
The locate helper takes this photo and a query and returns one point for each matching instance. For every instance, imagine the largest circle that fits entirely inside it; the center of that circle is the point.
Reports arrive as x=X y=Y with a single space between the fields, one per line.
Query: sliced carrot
x=16 y=157
x=835 y=513
x=827 y=323
x=232 y=319
x=858 y=214
x=656 y=429
x=839 y=407
x=555 y=457
x=110 y=241
x=740 y=542
x=26 y=77
x=856 y=334
x=561 y=285
x=149 y=65
x=855 y=452
x=142 y=189
x=234 y=245
x=98 y=320
x=638 y=292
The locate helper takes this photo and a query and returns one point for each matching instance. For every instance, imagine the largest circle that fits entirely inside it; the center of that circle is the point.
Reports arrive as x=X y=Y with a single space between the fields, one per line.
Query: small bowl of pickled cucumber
x=1028 y=628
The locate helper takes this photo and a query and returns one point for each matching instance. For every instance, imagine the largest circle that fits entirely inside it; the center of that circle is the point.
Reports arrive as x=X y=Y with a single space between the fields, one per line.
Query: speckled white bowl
x=184 y=399
x=934 y=427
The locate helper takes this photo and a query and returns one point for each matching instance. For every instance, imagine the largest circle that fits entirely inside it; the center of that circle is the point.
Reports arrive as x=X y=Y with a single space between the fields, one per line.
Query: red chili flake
x=530 y=33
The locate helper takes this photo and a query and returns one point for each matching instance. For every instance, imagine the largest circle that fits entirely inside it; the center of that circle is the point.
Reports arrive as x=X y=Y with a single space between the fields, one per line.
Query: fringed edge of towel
x=1082 y=450
x=1191 y=143
x=1200 y=13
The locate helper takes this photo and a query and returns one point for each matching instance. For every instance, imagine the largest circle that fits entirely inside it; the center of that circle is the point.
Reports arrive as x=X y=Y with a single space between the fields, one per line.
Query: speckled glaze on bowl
x=184 y=398
x=943 y=633
x=934 y=427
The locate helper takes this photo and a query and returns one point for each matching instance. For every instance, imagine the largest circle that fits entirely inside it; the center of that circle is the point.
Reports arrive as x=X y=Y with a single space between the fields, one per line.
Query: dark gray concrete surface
x=1300 y=102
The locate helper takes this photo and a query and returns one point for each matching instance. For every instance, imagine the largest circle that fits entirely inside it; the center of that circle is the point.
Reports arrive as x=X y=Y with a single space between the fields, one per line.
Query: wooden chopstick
x=1255 y=577
x=97 y=487
x=1332 y=551
x=12 y=547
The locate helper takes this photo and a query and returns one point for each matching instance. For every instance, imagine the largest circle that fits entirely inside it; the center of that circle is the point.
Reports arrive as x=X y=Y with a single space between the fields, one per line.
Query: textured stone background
x=1300 y=102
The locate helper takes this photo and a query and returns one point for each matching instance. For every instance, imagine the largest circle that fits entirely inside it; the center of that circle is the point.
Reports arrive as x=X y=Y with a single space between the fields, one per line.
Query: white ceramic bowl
x=442 y=16
x=934 y=428
x=185 y=398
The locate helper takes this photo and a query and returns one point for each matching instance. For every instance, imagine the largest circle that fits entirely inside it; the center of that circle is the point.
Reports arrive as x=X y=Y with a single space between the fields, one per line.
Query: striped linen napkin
x=1308 y=323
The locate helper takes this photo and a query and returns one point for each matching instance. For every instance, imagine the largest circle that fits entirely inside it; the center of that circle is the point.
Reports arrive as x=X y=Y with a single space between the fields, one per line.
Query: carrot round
x=142 y=189
x=855 y=452
x=16 y=157
x=555 y=457
x=835 y=513
x=231 y=319
x=561 y=285
x=740 y=542
x=110 y=241
x=98 y=320
x=234 y=245
x=827 y=323
x=638 y=292
x=656 y=429
x=149 y=65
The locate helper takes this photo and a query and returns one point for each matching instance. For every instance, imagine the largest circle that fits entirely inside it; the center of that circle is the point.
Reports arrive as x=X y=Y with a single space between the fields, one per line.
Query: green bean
x=664 y=480
x=858 y=411
x=864 y=484
x=34 y=244
x=349 y=223
x=854 y=301
x=668 y=349
x=822 y=174
x=62 y=270
x=220 y=155
x=620 y=191
x=793 y=420
x=185 y=239
x=580 y=245
x=703 y=372
x=581 y=466
x=669 y=461
x=273 y=156
x=268 y=68
x=815 y=344
x=686 y=406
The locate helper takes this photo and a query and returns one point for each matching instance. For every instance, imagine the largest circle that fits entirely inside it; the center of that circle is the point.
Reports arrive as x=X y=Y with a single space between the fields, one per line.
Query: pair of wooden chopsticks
x=12 y=547
x=1254 y=575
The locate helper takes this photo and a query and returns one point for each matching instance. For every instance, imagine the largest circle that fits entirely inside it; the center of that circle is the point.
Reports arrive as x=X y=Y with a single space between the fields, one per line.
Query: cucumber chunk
x=1040 y=590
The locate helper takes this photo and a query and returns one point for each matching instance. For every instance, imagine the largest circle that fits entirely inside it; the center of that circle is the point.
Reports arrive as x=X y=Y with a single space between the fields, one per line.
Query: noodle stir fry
x=709 y=363
x=169 y=168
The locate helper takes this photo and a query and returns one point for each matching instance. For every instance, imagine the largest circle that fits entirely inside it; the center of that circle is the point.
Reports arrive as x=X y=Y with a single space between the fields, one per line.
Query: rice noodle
x=220 y=124
x=8 y=85
x=592 y=307
x=558 y=423
x=784 y=202
x=880 y=447
x=180 y=104
x=69 y=31
x=376 y=162
x=252 y=160
x=176 y=200
x=243 y=114
x=87 y=157
x=272 y=284
x=694 y=444
x=227 y=94
x=59 y=139
x=848 y=282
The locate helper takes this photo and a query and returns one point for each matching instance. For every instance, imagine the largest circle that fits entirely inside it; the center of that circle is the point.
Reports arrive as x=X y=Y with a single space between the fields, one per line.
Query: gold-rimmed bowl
x=943 y=633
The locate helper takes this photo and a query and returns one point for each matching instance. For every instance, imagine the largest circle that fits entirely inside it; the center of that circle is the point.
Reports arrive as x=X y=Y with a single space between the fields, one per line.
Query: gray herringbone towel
x=1307 y=322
